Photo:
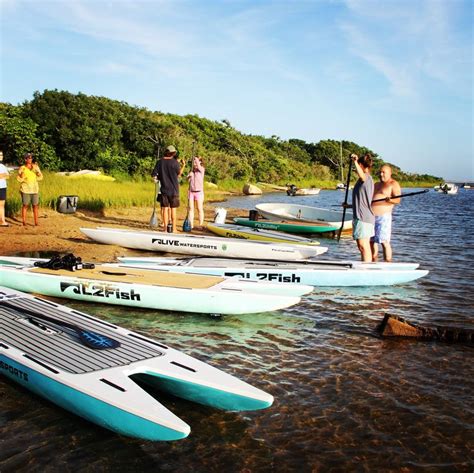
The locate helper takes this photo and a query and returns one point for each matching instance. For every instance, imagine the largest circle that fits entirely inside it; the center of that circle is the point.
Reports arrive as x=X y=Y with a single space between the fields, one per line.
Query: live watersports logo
x=100 y=290
x=275 y=277
x=171 y=242
x=14 y=371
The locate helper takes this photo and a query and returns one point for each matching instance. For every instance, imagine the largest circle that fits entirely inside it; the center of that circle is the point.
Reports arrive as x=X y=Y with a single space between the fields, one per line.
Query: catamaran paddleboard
x=94 y=369
x=287 y=226
x=304 y=213
x=247 y=233
x=202 y=245
x=149 y=289
x=320 y=273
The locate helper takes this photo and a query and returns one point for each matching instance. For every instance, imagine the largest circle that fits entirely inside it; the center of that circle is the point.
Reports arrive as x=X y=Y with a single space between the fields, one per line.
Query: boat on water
x=248 y=233
x=96 y=370
x=448 y=188
x=304 y=213
x=292 y=190
x=288 y=226
x=147 y=289
x=200 y=245
x=315 y=273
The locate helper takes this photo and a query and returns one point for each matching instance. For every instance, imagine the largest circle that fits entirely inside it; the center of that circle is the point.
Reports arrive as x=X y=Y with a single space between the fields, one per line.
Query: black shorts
x=170 y=201
x=3 y=193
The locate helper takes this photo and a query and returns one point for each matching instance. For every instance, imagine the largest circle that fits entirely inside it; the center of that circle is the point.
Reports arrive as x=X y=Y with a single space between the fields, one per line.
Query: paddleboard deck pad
x=147 y=289
x=40 y=349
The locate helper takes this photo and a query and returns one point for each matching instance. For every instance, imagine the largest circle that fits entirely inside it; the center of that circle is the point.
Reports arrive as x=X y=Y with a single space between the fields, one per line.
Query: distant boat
x=304 y=213
x=293 y=190
x=448 y=188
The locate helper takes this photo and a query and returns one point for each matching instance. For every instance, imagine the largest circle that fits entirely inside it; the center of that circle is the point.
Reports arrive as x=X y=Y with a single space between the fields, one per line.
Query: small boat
x=288 y=226
x=200 y=245
x=304 y=213
x=292 y=190
x=96 y=370
x=315 y=273
x=148 y=289
x=248 y=233
x=448 y=188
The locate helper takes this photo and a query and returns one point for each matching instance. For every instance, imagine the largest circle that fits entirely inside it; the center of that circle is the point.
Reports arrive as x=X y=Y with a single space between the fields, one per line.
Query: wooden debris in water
x=394 y=326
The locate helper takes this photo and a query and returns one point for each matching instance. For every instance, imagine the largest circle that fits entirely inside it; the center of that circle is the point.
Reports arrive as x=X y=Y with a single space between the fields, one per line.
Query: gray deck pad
x=63 y=349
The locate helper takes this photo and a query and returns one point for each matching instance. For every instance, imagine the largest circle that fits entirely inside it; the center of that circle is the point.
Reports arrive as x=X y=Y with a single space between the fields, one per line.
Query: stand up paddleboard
x=42 y=350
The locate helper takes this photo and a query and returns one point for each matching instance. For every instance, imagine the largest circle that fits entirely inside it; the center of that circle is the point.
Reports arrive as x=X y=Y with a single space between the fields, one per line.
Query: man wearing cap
x=168 y=170
x=3 y=190
x=29 y=174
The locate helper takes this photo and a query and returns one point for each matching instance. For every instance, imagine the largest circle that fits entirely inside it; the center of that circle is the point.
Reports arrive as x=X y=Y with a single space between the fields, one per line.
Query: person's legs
x=165 y=214
x=2 y=213
x=375 y=251
x=173 y=218
x=387 y=251
x=24 y=209
x=191 y=209
x=200 y=206
x=364 y=247
x=35 y=214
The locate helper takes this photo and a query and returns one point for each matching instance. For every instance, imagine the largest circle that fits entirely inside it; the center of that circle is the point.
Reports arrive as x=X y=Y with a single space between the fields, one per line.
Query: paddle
x=91 y=339
x=348 y=180
x=187 y=223
x=154 y=219
x=402 y=195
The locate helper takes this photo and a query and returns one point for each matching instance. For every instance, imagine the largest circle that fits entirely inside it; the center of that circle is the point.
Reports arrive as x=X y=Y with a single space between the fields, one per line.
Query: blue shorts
x=383 y=228
x=362 y=230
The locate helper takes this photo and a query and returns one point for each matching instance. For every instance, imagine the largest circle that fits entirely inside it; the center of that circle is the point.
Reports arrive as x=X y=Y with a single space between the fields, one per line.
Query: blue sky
x=395 y=76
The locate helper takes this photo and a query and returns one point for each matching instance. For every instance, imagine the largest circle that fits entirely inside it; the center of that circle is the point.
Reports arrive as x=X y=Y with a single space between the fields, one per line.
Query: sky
x=395 y=76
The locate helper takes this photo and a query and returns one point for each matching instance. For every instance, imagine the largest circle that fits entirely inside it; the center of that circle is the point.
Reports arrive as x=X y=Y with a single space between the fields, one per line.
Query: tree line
x=69 y=132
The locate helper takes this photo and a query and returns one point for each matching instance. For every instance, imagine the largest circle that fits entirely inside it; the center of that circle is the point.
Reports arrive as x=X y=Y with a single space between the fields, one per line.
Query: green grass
x=96 y=195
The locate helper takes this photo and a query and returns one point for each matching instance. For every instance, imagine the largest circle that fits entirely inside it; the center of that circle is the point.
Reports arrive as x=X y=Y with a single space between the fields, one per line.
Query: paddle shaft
x=348 y=180
x=80 y=331
x=402 y=195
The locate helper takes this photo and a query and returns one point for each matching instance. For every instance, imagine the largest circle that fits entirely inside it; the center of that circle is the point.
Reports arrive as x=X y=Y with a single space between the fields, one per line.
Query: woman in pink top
x=196 y=190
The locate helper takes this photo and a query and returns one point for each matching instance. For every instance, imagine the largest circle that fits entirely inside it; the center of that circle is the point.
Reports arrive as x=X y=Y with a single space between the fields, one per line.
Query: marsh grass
x=95 y=195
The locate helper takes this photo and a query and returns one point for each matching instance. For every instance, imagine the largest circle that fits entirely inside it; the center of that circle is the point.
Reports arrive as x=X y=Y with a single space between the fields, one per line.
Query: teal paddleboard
x=287 y=226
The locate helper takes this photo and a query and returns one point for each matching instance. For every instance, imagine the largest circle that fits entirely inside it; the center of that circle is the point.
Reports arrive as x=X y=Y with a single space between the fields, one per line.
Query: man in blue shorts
x=386 y=189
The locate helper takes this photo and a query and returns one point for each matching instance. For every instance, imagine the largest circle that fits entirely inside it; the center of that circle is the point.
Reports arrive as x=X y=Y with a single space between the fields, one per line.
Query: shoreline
x=60 y=233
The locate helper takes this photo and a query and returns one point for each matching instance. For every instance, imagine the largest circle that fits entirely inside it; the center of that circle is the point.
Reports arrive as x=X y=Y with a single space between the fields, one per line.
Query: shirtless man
x=385 y=189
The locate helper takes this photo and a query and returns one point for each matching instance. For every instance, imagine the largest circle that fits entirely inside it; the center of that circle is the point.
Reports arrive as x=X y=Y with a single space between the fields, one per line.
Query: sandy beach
x=60 y=232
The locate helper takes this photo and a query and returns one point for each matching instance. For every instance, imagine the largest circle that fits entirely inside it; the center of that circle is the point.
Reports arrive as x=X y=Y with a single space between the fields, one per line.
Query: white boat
x=448 y=188
x=142 y=288
x=95 y=369
x=198 y=245
x=247 y=233
x=304 y=213
x=292 y=190
x=321 y=273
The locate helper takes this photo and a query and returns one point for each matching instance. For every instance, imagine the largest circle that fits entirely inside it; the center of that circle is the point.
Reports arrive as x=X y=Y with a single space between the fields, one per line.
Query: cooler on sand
x=67 y=204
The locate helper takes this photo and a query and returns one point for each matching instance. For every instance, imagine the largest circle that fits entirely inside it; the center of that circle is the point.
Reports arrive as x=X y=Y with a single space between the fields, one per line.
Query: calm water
x=345 y=400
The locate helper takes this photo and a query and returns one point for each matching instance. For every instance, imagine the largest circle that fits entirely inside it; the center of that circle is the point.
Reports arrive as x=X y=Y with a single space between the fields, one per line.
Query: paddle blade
x=96 y=341
x=153 y=220
x=186 y=225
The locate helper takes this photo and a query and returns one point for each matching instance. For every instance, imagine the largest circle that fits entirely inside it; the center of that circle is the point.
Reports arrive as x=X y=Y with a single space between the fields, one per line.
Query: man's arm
x=396 y=190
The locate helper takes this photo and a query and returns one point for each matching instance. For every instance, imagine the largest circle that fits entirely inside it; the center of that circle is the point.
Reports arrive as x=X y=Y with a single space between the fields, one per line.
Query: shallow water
x=344 y=399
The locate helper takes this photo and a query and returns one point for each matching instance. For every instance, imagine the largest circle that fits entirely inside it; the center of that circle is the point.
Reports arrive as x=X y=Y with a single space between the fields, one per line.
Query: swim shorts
x=383 y=228
x=28 y=199
x=362 y=230
x=196 y=195
x=170 y=201
x=3 y=193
